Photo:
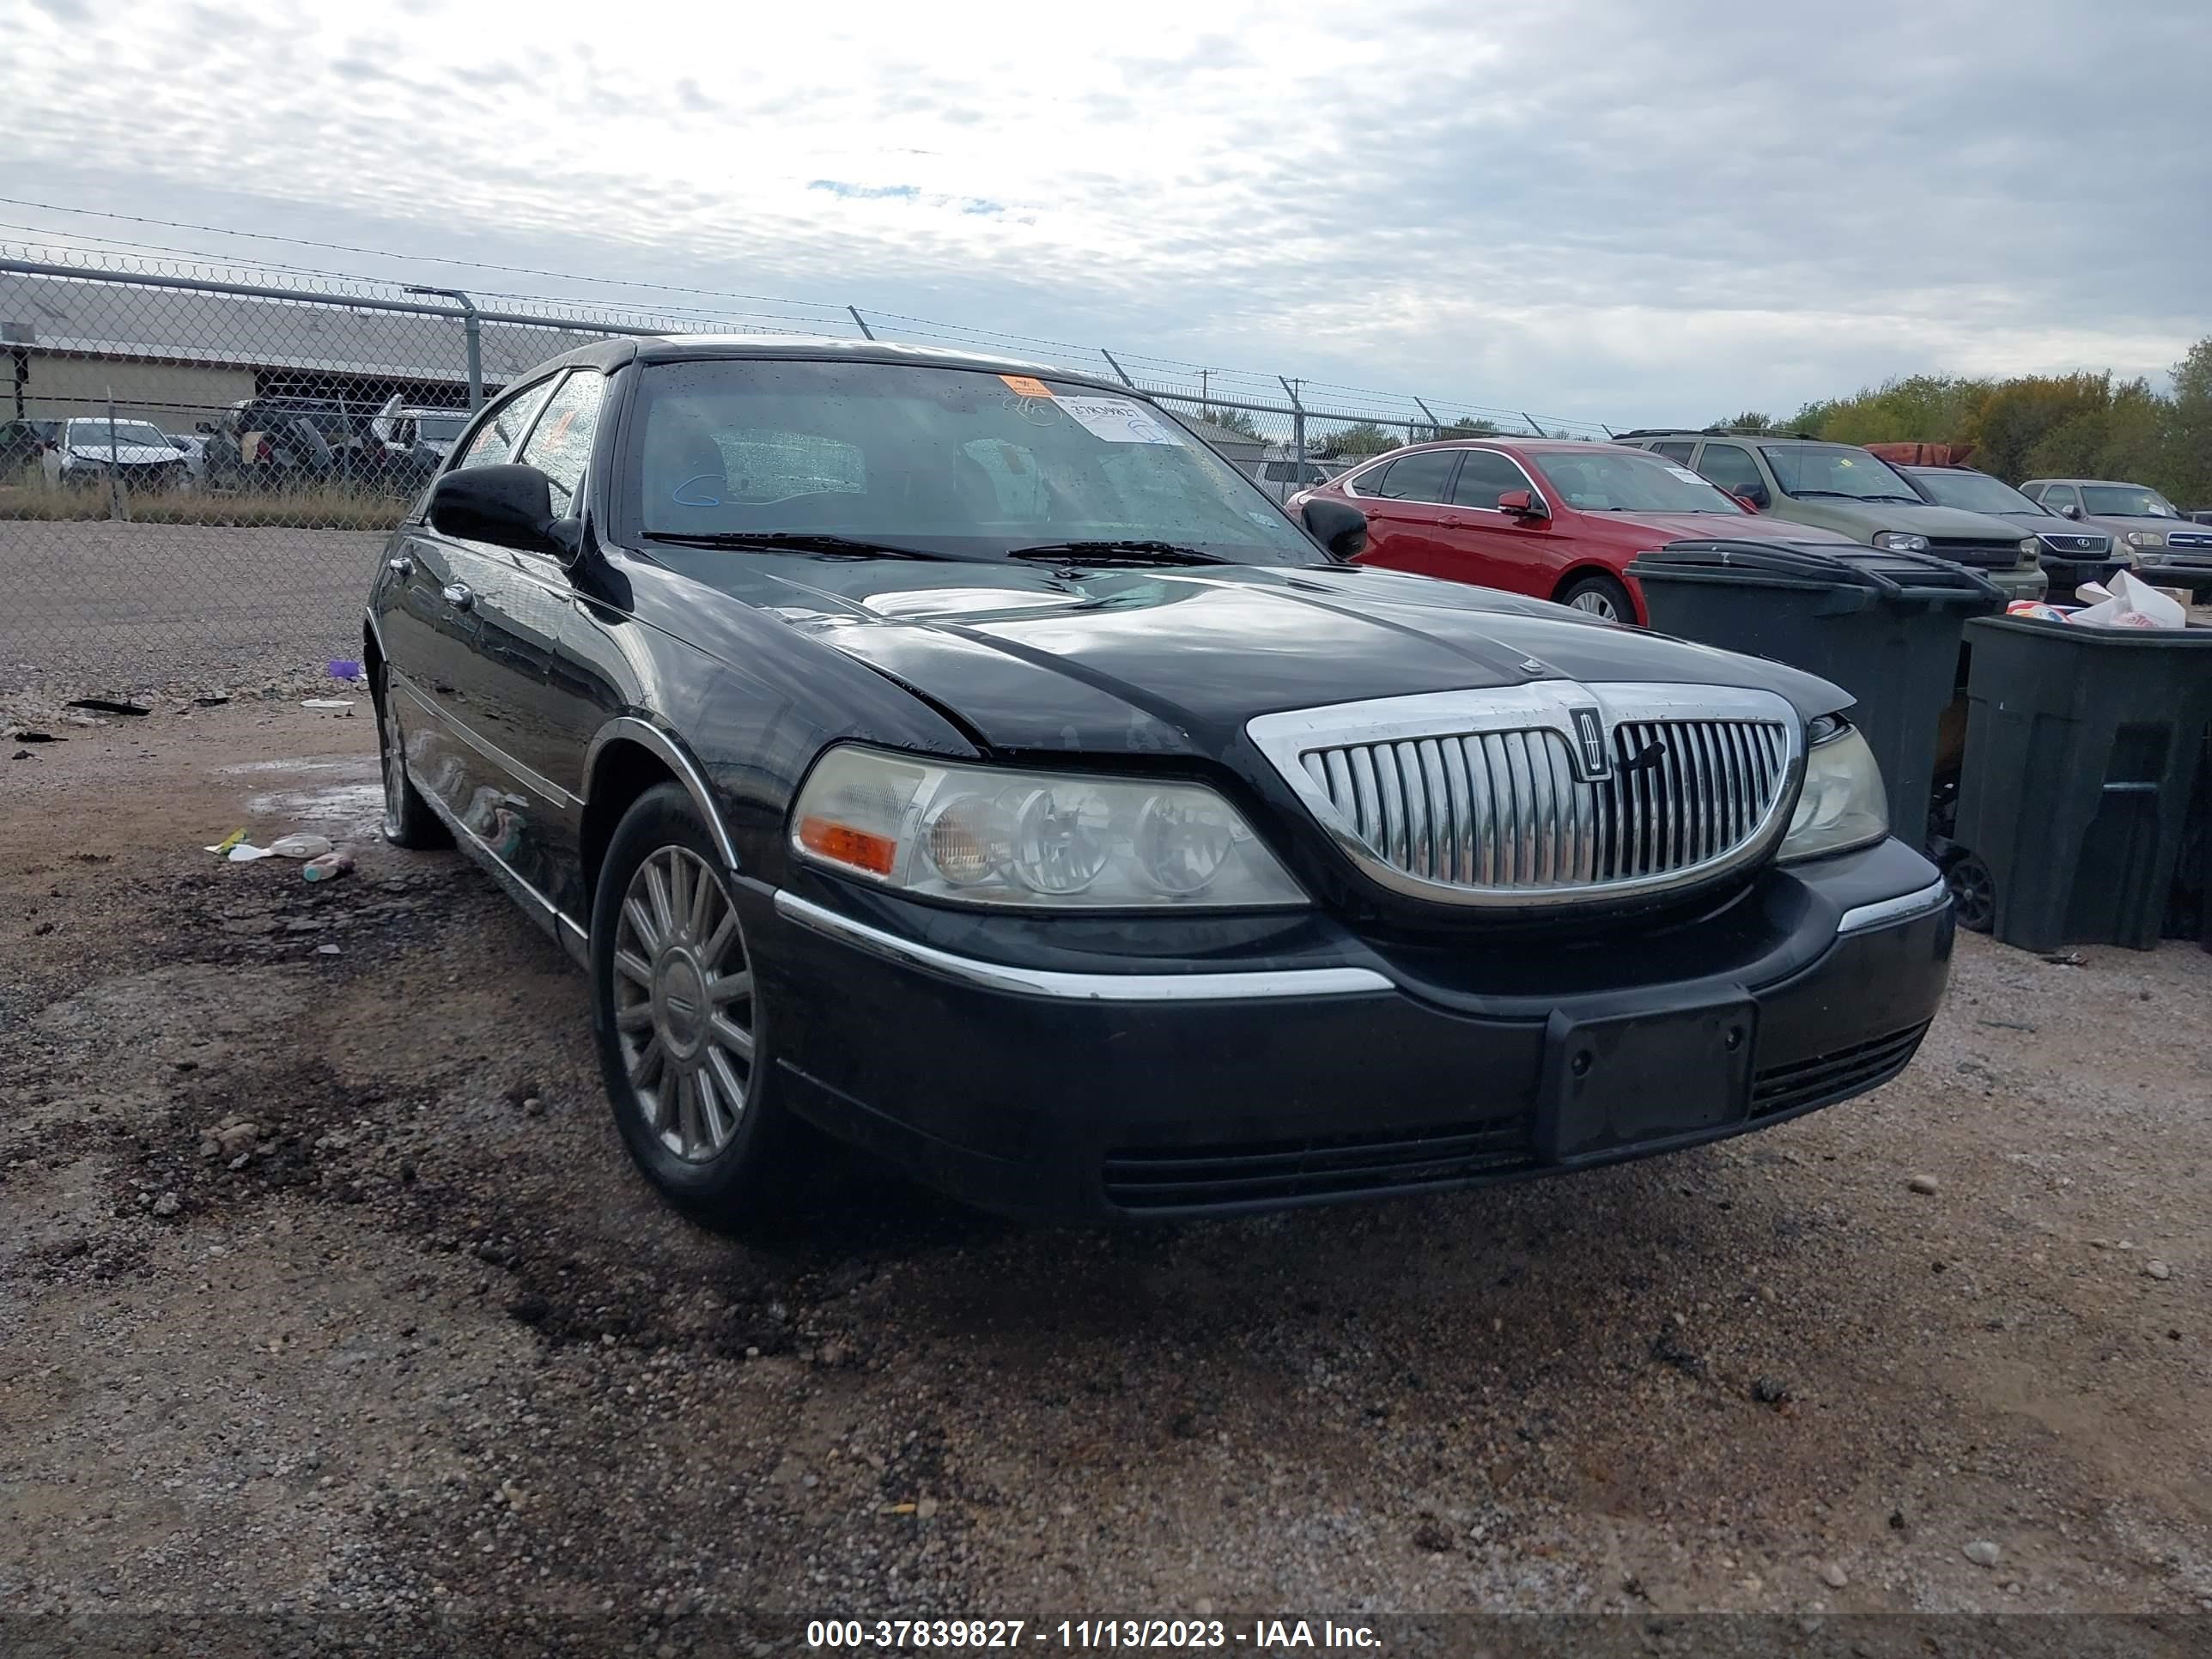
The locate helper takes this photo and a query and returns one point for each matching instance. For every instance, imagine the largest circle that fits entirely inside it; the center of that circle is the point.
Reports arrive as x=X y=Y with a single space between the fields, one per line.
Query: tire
x=1973 y=894
x=408 y=820
x=1600 y=595
x=674 y=1004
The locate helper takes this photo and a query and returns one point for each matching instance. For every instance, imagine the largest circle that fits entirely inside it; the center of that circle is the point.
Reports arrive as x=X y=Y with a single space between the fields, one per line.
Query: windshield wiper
x=1836 y=495
x=788 y=541
x=1910 y=500
x=1111 y=552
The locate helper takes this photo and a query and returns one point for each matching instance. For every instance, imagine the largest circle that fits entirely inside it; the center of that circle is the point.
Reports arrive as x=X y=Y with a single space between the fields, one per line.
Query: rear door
x=433 y=634
x=1730 y=467
x=1408 y=517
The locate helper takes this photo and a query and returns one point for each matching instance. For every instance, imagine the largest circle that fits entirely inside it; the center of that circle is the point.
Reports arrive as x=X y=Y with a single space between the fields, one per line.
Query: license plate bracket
x=1643 y=1079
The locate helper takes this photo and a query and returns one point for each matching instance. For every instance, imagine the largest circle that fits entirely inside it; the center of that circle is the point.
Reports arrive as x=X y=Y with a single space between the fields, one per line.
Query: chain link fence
x=196 y=474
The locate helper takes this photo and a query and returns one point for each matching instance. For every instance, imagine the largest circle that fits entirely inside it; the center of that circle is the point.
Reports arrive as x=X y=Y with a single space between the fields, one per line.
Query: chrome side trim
x=1081 y=987
x=1882 y=912
x=543 y=787
x=534 y=904
x=629 y=727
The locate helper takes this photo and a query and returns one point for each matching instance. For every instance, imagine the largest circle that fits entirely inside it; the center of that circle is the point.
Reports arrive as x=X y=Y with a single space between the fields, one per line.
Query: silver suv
x=2141 y=522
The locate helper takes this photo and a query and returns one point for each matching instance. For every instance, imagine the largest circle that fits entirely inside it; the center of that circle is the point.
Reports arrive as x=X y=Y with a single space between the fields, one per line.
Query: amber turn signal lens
x=842 y=844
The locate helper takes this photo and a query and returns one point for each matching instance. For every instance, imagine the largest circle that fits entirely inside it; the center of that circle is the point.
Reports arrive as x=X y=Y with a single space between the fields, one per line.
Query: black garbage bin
x=1884 y=626
x=2082 y=748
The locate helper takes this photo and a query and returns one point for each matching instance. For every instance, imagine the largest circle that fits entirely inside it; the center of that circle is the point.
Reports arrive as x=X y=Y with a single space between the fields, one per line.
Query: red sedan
x=1550 y=518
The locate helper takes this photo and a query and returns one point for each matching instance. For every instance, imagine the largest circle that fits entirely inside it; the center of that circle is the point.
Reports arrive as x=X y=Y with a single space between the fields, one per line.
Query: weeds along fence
x=196 y=474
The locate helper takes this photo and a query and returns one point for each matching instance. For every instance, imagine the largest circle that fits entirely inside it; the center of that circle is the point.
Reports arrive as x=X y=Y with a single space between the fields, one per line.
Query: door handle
x=459 y=596
x=402 y=567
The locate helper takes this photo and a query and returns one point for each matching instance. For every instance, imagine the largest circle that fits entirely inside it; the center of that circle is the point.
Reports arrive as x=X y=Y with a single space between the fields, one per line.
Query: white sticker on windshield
x=1117 y=421
x=1686 y=475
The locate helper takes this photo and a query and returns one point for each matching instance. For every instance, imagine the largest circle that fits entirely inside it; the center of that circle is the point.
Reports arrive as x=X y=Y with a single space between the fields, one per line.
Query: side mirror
x=204 y=426
x=2070 y=512
x=1337 y=525
x=1755 y=496
x=1522 y=504
x=508 y=506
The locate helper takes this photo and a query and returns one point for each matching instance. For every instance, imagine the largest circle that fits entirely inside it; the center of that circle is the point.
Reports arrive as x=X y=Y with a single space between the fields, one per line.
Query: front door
x=1406 y=503
x=1497 y=548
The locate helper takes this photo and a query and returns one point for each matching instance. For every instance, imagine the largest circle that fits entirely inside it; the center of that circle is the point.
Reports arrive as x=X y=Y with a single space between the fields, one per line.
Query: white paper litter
x=242 y=852
x=326 y=702
x=2127 y=602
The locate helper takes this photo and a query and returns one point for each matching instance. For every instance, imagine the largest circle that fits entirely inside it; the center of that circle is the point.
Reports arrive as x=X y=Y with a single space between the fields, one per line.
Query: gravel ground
x=325 y=1286
x=106 y=610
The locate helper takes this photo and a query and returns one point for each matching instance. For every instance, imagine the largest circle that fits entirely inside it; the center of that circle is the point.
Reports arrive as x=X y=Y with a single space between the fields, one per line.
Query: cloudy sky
x=1588 y=209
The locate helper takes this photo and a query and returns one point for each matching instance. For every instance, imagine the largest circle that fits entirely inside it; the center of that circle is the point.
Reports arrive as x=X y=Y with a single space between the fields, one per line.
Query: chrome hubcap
x=1596 y=603
x=684 y=1003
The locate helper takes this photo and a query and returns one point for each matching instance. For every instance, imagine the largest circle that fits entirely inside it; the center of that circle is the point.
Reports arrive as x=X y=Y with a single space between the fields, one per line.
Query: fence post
x=117 y=506
x=1535 y=430
x=473 y=327
x=866 y=334
x=1436 y=426
x=1117 y=369
x=1297 y=419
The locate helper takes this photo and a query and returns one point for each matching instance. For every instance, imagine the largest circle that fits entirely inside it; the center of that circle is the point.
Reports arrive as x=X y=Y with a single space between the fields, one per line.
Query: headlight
x=2030 y=547
x=1843 y=804
x=1900 y=541
x=988 y=834
x=2146 y=538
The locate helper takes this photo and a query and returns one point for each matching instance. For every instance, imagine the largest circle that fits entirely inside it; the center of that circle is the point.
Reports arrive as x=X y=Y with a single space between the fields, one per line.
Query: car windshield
x=956 y=463
x=93 y=434
x=1836 y=469
x=1977 y=492
x=1609 y=481
x=440 y=429
x=2126 y=501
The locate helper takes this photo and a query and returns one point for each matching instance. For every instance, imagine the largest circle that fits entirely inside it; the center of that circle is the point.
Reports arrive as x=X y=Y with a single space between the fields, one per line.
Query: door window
x=1422 y=477
x=1730 y=466
x=2058 y=498
x=561 y=441
x=504 y=425
x=1674 y=452
x=1484 y=476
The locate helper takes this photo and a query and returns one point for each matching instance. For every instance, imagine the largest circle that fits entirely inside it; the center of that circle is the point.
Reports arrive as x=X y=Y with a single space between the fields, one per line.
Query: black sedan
x=959 y=757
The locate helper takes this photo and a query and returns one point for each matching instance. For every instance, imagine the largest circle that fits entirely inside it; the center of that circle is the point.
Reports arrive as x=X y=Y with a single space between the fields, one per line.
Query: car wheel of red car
x=1600 y=595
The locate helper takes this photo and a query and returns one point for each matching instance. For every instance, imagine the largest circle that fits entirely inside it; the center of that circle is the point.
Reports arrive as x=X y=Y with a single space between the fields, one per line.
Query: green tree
x=1468 y=427
x=1233 y=420
x=1750 y=420
x=1357 y=441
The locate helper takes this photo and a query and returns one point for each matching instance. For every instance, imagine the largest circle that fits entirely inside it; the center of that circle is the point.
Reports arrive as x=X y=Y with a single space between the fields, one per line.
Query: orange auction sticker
x=1027 y=387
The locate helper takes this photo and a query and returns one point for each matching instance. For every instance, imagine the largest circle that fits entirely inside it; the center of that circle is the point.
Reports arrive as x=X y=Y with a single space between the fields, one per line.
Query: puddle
x=343 y=764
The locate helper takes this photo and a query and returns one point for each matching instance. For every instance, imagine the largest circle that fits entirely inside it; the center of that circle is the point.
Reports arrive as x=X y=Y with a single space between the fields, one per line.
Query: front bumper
x=2067 y=571
x=1312 y=1067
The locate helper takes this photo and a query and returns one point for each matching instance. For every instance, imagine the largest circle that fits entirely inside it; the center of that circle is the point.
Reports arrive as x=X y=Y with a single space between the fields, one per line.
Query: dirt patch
x=326 y=1285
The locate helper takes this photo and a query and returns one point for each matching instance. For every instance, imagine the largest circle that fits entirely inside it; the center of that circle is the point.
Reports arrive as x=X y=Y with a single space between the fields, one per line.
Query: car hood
x=2124 y=522
x=127 y=454
x=1176 y=660
x=1724 y=526
x=1921 y=518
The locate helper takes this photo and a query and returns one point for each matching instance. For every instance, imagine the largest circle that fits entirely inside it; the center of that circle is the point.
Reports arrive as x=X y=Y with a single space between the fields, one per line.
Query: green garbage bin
x=1884 y=626
x=2082 y=748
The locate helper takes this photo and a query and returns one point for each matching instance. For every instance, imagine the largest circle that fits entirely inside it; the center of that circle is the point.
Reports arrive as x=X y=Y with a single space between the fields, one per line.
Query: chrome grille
x=1485 y=797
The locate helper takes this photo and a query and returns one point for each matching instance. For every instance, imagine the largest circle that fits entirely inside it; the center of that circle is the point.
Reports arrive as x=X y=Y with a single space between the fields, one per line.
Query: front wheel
x=1599 y=595
x=683 y=1034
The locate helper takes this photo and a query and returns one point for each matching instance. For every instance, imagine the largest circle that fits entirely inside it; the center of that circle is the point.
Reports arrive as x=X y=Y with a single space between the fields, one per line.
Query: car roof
x=821 y=347
x=2116 y=483
x=1512 y=445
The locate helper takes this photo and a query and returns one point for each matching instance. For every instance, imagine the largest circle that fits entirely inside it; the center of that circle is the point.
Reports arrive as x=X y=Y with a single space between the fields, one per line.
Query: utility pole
x=474 y=330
